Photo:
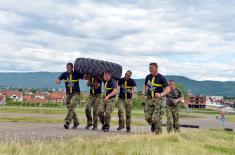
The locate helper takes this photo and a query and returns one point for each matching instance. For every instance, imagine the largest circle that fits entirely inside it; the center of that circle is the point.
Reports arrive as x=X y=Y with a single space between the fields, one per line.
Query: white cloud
x=193 y=39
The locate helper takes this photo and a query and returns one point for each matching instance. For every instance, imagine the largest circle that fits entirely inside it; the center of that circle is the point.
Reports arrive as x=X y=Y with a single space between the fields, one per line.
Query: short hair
x=129 y=71
x=153 y=64
x=70 y=64
x=171 y=81
x=107 y=72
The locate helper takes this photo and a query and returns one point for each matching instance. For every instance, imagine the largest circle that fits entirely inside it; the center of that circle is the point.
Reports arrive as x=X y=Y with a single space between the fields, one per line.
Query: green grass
x=230 y=118
x=200 y=142
x=32 y=110
x=30 y=119
x=190 y=115
x=204 y=111
x=61 y=111
x=56 y=120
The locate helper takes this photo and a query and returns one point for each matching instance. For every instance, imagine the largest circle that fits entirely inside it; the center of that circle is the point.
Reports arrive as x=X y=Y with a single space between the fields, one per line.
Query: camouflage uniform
x=125 y=105
x=153 y=105
x=125 y=102
x=94 y=102
x=152 y=110
x=73 y=96
x=172 y=111
x=71 y=102
x=105 y=110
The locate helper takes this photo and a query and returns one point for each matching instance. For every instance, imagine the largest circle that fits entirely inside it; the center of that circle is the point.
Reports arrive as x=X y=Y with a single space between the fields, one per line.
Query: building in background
x=214 y=102
x=2 y=100
x=41 y=95
x=13 y=94
x=197 y=101
x=57 y=97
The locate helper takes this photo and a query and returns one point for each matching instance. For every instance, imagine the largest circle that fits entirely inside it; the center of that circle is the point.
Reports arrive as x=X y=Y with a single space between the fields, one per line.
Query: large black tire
x=228 y=129
x=95 y=67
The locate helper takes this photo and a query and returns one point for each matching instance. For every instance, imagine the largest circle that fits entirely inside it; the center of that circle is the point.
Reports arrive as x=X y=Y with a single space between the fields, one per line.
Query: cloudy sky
x=195 y=39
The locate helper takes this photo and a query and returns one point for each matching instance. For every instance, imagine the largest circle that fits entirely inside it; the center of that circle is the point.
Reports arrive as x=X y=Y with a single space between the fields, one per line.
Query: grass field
x=57 y=120
x=136 y=114
x=200 y=142
x=231 y=118
x=45 y=110
x=193 y=142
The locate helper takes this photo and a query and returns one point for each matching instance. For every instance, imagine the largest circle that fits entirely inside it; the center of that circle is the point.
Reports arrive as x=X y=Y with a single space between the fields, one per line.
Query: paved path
x=41 y=131
x=204 y=122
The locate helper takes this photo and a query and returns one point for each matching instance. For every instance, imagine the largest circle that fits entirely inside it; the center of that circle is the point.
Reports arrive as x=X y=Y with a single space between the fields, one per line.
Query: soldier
x=127 y=88
x=157 y=87
x=71 y=80
x=94 y=101
x=172 y=108
x=108 y=104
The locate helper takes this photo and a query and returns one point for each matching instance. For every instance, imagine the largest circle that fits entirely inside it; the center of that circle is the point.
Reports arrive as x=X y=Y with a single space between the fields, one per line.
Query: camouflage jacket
x=174 y=94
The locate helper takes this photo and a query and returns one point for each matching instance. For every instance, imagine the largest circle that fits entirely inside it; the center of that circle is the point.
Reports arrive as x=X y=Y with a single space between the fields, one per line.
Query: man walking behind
x=172 y=107
x=108 y=104
x=127 y=87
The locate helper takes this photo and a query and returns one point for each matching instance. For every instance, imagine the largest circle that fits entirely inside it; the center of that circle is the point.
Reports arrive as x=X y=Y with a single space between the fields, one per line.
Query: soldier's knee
x=87 y=106
x=147 y=118
x=87 y=110
x=95 y=111
x=108 y=112
x=71 y=112
x=128 y=114
x=120 y=112
x=100 y=112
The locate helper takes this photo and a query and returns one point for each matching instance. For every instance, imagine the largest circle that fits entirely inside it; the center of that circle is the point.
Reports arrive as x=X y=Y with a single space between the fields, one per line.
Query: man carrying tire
x=71 y=80
x=127 y=87
x=172 y=107
x=94 y=101
x=157 y=88
x=108 y=104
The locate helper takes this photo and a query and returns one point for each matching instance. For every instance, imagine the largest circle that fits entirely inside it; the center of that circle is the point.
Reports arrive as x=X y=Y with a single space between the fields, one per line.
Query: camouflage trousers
x=93 y=102
x=152 y=111
x=172 y=114
x=124 y=105
x=71 y=102
x=104 y=112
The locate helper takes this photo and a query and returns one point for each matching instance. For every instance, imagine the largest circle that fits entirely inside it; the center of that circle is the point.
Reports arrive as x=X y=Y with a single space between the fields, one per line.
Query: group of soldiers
x=158 y=95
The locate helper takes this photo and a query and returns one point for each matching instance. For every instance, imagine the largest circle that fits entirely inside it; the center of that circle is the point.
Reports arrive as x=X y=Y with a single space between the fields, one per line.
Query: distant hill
x=47 y=80
x=216 y=88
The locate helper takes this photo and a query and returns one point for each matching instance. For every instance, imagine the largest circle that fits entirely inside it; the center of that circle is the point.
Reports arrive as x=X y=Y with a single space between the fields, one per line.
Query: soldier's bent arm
x=88 y=83
x=180 y=97
x=118 y=85
x=134 y=90
x=114 y=92
x=166 y=91
x=145 y=88
x=60 y=78
x=58 y=81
